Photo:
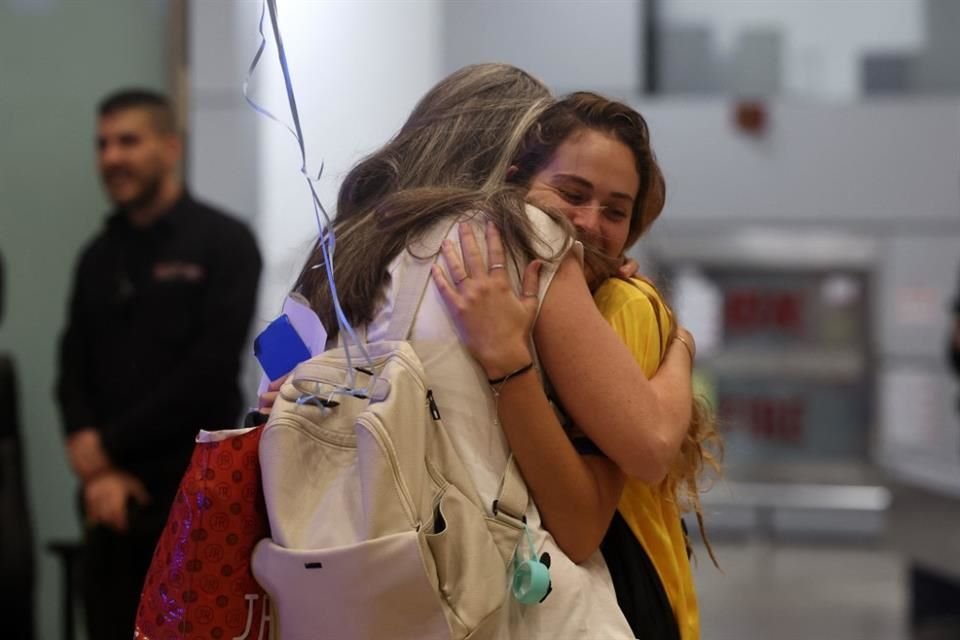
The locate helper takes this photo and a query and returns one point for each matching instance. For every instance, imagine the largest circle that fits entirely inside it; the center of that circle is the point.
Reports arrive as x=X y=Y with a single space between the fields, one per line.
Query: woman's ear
x=512 y=171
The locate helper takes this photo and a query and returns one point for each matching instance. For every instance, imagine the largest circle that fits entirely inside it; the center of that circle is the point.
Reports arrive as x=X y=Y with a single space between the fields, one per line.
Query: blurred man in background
x=161 y=305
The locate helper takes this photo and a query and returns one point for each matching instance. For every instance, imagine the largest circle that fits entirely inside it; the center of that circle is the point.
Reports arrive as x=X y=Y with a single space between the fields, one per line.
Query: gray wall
x=222 y=151
x=821 y=43
x=57 y=58
x=875 y=162
x=938 y=71
x=569 y=45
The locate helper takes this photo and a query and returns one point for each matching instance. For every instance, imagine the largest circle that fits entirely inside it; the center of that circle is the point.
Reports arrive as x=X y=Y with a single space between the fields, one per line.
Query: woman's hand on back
x=492 y=321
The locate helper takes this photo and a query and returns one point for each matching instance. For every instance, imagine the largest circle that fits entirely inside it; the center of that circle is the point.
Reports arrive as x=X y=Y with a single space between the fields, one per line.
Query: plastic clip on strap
x=531 y=577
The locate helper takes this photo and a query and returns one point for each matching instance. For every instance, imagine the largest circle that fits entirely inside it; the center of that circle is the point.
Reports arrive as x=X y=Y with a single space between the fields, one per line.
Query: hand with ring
x=493 y=322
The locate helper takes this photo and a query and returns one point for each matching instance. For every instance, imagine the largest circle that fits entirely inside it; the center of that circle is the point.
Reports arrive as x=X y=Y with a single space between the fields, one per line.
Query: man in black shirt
x=162 y=302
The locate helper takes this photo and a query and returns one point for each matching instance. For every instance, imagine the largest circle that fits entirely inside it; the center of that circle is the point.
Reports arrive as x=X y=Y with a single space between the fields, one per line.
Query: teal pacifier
x=531 y=577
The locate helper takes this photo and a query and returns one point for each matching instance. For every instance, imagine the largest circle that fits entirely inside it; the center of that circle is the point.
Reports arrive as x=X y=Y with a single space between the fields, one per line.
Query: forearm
x=601 y=385
x=673 y=387
x=576 y=495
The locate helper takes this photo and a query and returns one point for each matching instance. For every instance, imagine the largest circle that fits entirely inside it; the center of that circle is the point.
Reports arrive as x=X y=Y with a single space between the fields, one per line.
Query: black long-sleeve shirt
x=152 y=349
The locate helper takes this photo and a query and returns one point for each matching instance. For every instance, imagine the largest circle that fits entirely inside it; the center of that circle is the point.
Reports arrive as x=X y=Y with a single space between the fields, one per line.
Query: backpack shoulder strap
x=513 y=497
x=416 y=279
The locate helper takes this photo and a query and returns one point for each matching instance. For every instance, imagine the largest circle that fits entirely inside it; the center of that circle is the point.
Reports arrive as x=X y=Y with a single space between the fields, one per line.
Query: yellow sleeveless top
x=651 y=513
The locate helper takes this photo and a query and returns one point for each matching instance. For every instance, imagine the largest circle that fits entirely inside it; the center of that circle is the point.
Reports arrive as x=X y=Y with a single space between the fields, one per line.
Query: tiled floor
x=770 y=591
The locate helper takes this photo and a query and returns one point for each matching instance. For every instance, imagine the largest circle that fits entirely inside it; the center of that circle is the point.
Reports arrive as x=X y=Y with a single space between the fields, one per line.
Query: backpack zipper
x=434 y=411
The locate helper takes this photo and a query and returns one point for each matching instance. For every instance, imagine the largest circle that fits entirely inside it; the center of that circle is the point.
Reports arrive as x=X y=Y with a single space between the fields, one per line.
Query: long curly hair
x=702 y=450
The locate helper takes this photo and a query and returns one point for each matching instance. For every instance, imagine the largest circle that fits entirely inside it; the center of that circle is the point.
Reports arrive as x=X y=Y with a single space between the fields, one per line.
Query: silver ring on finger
x=530 y=294
x=498 y=265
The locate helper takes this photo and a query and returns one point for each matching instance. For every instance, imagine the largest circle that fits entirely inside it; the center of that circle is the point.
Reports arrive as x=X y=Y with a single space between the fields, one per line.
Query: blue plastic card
x=279 y=348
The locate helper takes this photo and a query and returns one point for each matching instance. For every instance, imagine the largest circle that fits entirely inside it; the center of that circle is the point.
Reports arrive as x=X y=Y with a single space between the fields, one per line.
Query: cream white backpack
x=377 y=529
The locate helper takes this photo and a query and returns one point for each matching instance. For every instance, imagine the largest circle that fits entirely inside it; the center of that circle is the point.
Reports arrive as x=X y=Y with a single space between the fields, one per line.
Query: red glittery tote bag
x=199 y=584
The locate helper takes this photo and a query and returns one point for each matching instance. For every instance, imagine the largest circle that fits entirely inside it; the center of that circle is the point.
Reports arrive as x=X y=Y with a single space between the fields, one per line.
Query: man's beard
x=145 y=196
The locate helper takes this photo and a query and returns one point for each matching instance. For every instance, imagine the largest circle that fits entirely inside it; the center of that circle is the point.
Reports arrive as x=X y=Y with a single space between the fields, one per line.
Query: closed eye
x=573 y=197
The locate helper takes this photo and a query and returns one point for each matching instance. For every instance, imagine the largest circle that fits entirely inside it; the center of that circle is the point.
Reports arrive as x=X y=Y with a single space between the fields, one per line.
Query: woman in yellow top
x=589 y=159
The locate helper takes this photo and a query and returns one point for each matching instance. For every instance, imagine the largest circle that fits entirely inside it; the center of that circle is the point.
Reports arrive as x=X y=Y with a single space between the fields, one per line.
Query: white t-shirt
x=583 y=603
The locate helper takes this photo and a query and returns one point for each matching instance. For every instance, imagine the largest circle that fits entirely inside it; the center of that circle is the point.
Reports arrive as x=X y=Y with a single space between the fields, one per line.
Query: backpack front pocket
x=366 y=591
x=474 y=586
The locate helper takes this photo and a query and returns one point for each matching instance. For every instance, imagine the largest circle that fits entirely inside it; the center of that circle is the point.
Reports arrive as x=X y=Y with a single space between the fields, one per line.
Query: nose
x=108 y=154
x=586 y=219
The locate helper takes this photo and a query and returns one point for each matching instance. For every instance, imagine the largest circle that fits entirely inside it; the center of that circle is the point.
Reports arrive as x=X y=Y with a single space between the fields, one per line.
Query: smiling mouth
x=118 y=178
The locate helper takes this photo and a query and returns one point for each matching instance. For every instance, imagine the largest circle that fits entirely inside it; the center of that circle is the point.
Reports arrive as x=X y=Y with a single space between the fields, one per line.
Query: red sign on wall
x=770 y=419
x=748 y=310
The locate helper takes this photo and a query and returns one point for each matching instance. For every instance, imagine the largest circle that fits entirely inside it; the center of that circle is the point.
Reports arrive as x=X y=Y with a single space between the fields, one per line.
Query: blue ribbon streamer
x=325 y=234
